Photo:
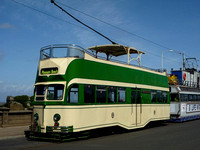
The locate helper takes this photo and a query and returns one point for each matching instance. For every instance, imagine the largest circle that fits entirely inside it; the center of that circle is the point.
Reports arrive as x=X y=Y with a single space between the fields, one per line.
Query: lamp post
x=183 y=54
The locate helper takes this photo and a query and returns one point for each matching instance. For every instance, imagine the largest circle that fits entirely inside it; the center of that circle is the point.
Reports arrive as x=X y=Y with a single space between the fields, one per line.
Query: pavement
x=12 y=132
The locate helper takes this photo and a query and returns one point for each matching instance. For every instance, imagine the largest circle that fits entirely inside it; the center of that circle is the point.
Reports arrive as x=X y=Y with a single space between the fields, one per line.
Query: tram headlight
x=36 y=117
x=56 y=117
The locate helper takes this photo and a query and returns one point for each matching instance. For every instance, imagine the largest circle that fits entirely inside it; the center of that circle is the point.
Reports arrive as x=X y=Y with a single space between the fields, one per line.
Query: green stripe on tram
x=80 y=68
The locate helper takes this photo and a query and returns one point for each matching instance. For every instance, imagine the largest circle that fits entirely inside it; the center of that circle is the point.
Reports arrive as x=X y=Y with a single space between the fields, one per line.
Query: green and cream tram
x=76 y=91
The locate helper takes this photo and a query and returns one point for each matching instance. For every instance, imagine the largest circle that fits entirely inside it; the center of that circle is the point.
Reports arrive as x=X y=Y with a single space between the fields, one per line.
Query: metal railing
x=72 y=50
x=61 y=51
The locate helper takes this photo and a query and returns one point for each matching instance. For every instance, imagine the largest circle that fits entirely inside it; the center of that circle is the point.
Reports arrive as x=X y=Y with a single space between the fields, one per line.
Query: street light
x=183 y=54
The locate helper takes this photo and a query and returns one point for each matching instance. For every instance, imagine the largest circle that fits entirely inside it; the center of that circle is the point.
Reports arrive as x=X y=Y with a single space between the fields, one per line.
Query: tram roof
x=115 y=49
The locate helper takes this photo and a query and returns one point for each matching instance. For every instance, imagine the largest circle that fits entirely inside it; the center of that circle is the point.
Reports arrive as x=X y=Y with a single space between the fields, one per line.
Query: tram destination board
x=53 y=70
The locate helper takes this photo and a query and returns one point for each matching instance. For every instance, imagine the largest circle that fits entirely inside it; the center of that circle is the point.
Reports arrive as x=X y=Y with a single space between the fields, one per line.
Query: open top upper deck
x=71 y=50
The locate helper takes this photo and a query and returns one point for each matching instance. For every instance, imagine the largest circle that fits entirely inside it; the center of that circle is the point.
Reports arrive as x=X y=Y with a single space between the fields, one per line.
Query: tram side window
x=55 y=92
x=198 y=97
x=153 y=96
x=40 y=92
x=194 y=97
x=112 y=94
x=159 y=96
x=186 y=97
x=190 y=97
x=121 y=95
x=182 y=97
x=164 y=97
x=73 y=94
x=89 y=94
x=101 y=94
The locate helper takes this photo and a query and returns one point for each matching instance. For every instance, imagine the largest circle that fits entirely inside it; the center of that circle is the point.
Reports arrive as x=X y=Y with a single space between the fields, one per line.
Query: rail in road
x=166 y=136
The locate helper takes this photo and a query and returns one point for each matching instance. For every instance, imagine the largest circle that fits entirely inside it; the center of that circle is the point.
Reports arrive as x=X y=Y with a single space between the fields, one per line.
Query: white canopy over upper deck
x=118 y=50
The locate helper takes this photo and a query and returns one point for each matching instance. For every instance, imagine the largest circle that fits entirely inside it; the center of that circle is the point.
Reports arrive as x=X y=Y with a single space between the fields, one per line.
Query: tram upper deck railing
x=61 y=51
x=72 y=50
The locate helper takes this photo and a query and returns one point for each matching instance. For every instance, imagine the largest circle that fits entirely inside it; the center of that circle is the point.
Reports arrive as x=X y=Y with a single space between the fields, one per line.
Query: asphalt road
x=167 y=136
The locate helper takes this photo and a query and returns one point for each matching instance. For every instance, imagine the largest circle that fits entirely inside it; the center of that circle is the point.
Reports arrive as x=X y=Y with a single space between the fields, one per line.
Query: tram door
x=136 y=106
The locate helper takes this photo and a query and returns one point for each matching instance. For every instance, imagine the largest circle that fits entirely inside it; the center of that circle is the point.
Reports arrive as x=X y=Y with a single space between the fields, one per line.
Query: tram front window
x=61 y=51
x=55 y=92
x=40 y=92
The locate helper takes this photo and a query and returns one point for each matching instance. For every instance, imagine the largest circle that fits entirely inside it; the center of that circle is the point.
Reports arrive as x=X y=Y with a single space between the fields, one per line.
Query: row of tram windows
x=111 y=94
x=98 y=94
x=184 y=97
x=158 y=96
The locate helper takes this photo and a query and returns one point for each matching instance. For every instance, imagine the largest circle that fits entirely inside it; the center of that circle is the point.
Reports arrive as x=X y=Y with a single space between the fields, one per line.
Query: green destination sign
x=49 y=70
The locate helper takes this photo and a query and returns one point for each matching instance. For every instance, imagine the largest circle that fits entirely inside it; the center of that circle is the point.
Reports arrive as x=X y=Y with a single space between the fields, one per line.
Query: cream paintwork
x=61 y=63
x=111 y=83
x=49 y=83
x=97 y=116
x=40 y=111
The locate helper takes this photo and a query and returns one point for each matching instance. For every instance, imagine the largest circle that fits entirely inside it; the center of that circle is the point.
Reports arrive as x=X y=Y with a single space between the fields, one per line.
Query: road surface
x=167 y=136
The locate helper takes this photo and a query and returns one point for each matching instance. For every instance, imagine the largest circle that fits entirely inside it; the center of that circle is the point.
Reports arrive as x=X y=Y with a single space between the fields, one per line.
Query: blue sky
x=23 y=31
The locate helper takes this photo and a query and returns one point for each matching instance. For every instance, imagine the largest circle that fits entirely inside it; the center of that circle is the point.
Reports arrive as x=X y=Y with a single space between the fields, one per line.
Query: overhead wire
x=34 y=9
x=53 y=2
x=113 y=25
x=118 y=28
x=121 y=29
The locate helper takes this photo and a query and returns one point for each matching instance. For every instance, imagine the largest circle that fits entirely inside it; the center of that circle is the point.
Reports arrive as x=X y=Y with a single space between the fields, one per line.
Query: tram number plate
x=193 y=107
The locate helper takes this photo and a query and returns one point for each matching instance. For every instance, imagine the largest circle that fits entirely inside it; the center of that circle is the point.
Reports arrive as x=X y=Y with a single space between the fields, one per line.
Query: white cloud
x=7 y=89
x=6 y=26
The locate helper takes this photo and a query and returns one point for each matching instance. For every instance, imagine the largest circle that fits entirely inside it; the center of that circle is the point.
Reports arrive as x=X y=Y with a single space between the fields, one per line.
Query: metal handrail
x=51 y=47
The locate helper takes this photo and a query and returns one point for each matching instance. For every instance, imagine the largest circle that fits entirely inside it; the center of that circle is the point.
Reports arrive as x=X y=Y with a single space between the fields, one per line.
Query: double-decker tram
x=185 y=94
x=77 y=91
